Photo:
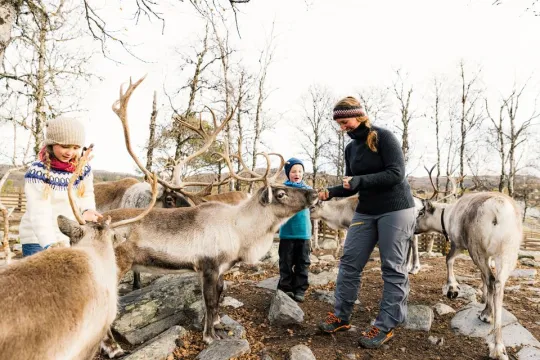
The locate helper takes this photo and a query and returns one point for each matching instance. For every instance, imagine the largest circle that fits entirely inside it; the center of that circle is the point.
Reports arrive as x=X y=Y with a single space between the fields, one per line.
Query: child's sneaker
x=290 y=294
x=334 y=324
x=299 y=297
x=374 y=337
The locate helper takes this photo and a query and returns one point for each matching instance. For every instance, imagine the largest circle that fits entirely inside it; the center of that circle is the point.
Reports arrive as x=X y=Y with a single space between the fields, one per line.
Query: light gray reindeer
x=60 y=302
x=488 y=225
x=209 y=238
x=338 y=214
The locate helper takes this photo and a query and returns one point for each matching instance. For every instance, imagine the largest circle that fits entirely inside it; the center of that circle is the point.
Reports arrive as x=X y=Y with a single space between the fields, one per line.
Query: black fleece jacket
x=377 y=177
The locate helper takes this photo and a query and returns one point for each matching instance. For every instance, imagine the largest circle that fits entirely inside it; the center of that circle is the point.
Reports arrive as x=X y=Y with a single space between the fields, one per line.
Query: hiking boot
x=334 y=324
x=374 y=337
x=290 y=294
x=299 y=297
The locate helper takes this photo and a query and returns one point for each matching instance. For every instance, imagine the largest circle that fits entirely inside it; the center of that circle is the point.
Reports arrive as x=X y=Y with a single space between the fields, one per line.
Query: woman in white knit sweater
x=46 y=183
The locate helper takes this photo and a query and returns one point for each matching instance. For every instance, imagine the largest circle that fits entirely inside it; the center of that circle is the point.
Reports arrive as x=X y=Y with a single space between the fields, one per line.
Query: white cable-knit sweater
x=39 y=223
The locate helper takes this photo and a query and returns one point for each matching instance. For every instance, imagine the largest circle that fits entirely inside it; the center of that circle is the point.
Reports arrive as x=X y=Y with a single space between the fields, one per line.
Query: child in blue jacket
x=294 y=244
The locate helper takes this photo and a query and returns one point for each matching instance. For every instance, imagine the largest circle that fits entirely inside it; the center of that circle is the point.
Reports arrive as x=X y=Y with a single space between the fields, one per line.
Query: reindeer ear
x=429 y=207
x=70 y=228
x=265 y=197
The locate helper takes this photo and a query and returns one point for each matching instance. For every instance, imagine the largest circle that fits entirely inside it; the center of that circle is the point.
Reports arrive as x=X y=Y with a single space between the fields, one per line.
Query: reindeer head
x=316 y=210
x=286 y=201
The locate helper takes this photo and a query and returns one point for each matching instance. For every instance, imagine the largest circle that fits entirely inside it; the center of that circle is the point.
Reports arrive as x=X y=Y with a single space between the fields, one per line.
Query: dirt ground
x=425 y=290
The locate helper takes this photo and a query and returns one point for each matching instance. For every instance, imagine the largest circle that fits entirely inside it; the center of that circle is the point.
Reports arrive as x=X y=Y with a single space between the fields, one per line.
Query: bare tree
x=437 y=103
x=498 y=142
x=152 y=136
x=403 y=94
x=43 y=67
x=471 y=116
x=315 y=126
x=376 y=103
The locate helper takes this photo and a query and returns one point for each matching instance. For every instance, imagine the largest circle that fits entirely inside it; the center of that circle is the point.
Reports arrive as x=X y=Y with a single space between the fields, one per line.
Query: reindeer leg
x=429 y=249
x=415 y=265
x=211 y=300
x=488 y=290
x=497 y=350
x=453 y=286
x=220 y=286
x=136 y=280
x=110 y=346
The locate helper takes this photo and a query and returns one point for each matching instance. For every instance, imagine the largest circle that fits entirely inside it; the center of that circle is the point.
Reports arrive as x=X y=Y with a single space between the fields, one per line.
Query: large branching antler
x=6 y=214
x=436 y=191
x=120 y=109
x=254 y=176
x=76 y=175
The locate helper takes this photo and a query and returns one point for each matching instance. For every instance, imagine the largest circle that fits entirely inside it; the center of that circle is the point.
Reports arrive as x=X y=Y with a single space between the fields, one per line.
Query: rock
x=466 y=292
x=322 y=278
x=430 y=254
x=229 y=301
x=528 y=353
x=419 y=317
x=313 y=259
x=284 y=310
x=512 y=288
x=463 y=257
x=443 y=309
x=523 y=273
x=530 y=263
x=329 y=245
x=273 y=252
x=327 y=257
x=351 y=356
x=516 y=335
x=147 y=312
x=436 y=341
x=466 y=321
x=228 y=328
x=159 y=347
x=270 y=283
x=301 y=352
x=535 y=255
x=225 y=349
x=465 y=278
x=325 y=295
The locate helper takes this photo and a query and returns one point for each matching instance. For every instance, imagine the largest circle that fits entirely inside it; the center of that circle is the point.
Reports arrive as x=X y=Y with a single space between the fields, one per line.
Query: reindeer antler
x=6 y=214
x=76 y=174
x=436 y=190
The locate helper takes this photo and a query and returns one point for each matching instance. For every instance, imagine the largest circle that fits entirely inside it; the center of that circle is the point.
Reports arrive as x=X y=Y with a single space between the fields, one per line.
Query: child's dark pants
x=294 y=265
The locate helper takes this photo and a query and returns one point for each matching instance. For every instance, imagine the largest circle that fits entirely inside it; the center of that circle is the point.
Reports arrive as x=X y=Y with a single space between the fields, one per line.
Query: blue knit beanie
x=290 y=163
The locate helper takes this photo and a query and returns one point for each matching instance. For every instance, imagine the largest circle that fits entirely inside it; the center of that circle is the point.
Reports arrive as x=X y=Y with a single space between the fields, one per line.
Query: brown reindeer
x=60 y=302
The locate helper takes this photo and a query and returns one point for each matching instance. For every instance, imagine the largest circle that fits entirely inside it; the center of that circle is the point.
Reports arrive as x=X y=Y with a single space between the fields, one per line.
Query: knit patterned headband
x=343 y=112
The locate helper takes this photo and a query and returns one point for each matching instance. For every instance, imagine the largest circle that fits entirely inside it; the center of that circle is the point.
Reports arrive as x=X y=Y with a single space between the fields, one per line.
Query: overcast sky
x=344 y=45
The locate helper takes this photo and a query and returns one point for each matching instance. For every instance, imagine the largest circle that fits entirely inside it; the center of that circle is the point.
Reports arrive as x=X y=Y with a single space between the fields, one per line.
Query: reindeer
x=488 y=225
x=210 y=238
x=60 y=302
x=338 y=213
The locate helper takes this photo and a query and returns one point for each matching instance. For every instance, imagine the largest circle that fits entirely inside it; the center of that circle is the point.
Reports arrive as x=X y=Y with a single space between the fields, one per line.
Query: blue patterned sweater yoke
x=297 y=227
x=57 y=179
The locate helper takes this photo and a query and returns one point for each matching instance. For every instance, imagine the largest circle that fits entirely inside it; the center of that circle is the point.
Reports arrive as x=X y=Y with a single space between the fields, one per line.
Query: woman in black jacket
x=375 y=170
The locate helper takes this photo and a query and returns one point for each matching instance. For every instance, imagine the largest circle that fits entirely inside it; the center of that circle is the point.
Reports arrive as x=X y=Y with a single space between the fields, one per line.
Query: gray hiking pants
x=392 y=231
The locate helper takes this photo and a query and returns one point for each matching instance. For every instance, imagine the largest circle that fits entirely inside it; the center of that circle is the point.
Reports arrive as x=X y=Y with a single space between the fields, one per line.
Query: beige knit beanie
x=64 y=131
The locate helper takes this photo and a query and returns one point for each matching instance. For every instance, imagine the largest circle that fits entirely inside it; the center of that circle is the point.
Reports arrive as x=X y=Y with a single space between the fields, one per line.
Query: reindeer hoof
x=208 y=339
x=452 y=292
x=414 y=270
x=485 y=317
x=497 y=351
x=112 y=350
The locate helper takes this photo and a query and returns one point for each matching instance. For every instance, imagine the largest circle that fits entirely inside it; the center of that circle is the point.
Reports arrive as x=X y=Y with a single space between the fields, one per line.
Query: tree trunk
x=40 y=118
x=151 y=138
x=8 y=10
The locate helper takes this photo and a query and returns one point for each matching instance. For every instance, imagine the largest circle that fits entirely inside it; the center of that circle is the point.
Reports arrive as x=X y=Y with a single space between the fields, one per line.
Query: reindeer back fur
x=109 y=194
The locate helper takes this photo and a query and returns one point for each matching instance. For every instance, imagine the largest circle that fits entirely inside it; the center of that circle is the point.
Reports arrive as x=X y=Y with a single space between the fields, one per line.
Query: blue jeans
x=31 y=249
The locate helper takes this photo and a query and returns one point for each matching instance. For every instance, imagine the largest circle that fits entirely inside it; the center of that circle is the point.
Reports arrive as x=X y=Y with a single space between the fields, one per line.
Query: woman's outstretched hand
x=323 y=195
x=346 y=184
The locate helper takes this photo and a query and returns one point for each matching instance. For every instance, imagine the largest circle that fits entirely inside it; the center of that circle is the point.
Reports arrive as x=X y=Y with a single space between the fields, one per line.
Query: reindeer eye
x=422 y=212
x=281 y=195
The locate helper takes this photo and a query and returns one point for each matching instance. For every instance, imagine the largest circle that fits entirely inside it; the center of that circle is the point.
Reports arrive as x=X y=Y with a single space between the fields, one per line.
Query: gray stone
x=270 y=283
x=419 y=317
x=149 y=311
x=443 y=309
x=530 y=263
x=463 y=257
x=284 y=310
x=329 y=245
x=528 y=353
x=516 y=335
x=229 y=301
x=430 y=254
x=225 y=349
x=535 y=255
x=322 y=278
x=466 y=292
x=327 y=257
x=228 y=328
x=351 y=356
x=466 y=321
x=325 y=295
x=436 y=341
x=512 y=288
x=301 y=352
x=159 y=347
x=523 y=273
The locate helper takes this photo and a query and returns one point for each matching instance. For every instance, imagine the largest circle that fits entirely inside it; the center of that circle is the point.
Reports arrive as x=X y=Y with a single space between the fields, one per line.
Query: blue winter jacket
x=299 y=226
